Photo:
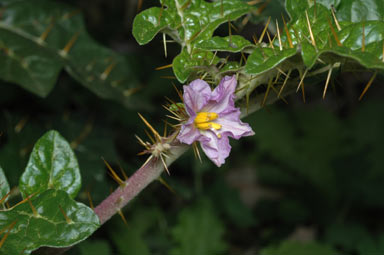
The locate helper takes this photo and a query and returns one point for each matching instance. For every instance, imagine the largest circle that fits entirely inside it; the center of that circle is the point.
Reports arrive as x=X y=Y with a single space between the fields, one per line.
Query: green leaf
x=184 y=64
x=52 y=165
x=187 y=23
x=360 y=10
x=48 y=227
x=4 y=186
x=296 y=8
x=199 y=231
x=264 y=59
x=297 y=248
x=234 y=43
x=40 y=38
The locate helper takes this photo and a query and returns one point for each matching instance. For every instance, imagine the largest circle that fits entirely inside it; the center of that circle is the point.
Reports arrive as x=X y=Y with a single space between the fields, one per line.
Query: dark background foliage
x=309 y=181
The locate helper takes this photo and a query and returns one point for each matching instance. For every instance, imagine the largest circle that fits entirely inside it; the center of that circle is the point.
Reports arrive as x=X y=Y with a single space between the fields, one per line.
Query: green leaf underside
x=199 y=232
x=33 y=36
x=49 y=227
x=234 y=43
x=367 y=50
x=189 y=23
x=4 y=186
x=52 y=165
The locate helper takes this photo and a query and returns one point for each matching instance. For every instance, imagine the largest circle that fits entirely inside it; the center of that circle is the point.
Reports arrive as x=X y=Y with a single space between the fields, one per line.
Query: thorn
x=310 y=30
x=254 y=2
x=243 y=57
x=302 y=79
x=83 y=135
x=168 y=77
x=107 y=71
x=287 y=32
x=20 y=125
x=69 y=45
x=265 y=29
x=383 y=52
x=267 y=92
x=147 y=161
x=221 y=8
x=163 y=67
x=165 y=45
x=139 y=5
x=196 y=151
x=35 y=213
x=278 y=35
x=270 y=42
x=164 y=164
x=6 y=234
x=277 y=93
x=123 y=172
x=245 y=20
x=303 y=92
x=113 y=174
x=334 y=34
x=363 y=39
x=368 y=85
x=178 y=92
x=261 y=8
x=157 y=136
x=149 y=136
x=327 y=81
x=44 y=35
x=162 y=181
x=122 y=216
x=90 y=200
x=161 y=12
x=67 y=219
x=5 y=197
x=334 y=17
x=25 y=199
x=186 y=5
x=71 y=14
x=254 y=38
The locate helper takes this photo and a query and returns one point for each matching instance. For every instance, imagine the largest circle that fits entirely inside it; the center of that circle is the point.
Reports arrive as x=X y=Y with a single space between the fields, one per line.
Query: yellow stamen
x=203 y=117
x=208 y=125
x=203 y=121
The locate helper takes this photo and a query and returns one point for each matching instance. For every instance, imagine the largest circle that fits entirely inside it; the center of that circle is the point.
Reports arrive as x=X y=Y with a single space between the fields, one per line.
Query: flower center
x=203 y=121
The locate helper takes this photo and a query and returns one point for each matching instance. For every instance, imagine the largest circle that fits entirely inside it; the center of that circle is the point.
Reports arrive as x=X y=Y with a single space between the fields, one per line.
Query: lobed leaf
x=188 y=23
x=40 y=38
x=52 y=165
x=58 y=221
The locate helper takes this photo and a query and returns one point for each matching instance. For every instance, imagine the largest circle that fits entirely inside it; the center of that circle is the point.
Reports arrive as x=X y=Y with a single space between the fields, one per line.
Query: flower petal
x=196 y=96
x=232 y=126
x=188 y=134
x=223 y=95
x=216 y=149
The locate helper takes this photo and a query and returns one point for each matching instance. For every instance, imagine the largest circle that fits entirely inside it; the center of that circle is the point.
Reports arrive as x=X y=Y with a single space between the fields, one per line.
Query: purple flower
x=212 y=118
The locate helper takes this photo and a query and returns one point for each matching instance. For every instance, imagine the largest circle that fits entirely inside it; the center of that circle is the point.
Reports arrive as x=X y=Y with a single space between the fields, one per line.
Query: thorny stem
x=145 y=175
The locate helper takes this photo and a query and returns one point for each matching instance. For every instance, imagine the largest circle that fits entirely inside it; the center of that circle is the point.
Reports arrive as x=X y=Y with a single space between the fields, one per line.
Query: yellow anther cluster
x=203 y=121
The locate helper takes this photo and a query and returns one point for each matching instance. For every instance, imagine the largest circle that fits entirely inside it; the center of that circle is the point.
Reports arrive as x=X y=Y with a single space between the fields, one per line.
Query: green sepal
x=52 y=165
